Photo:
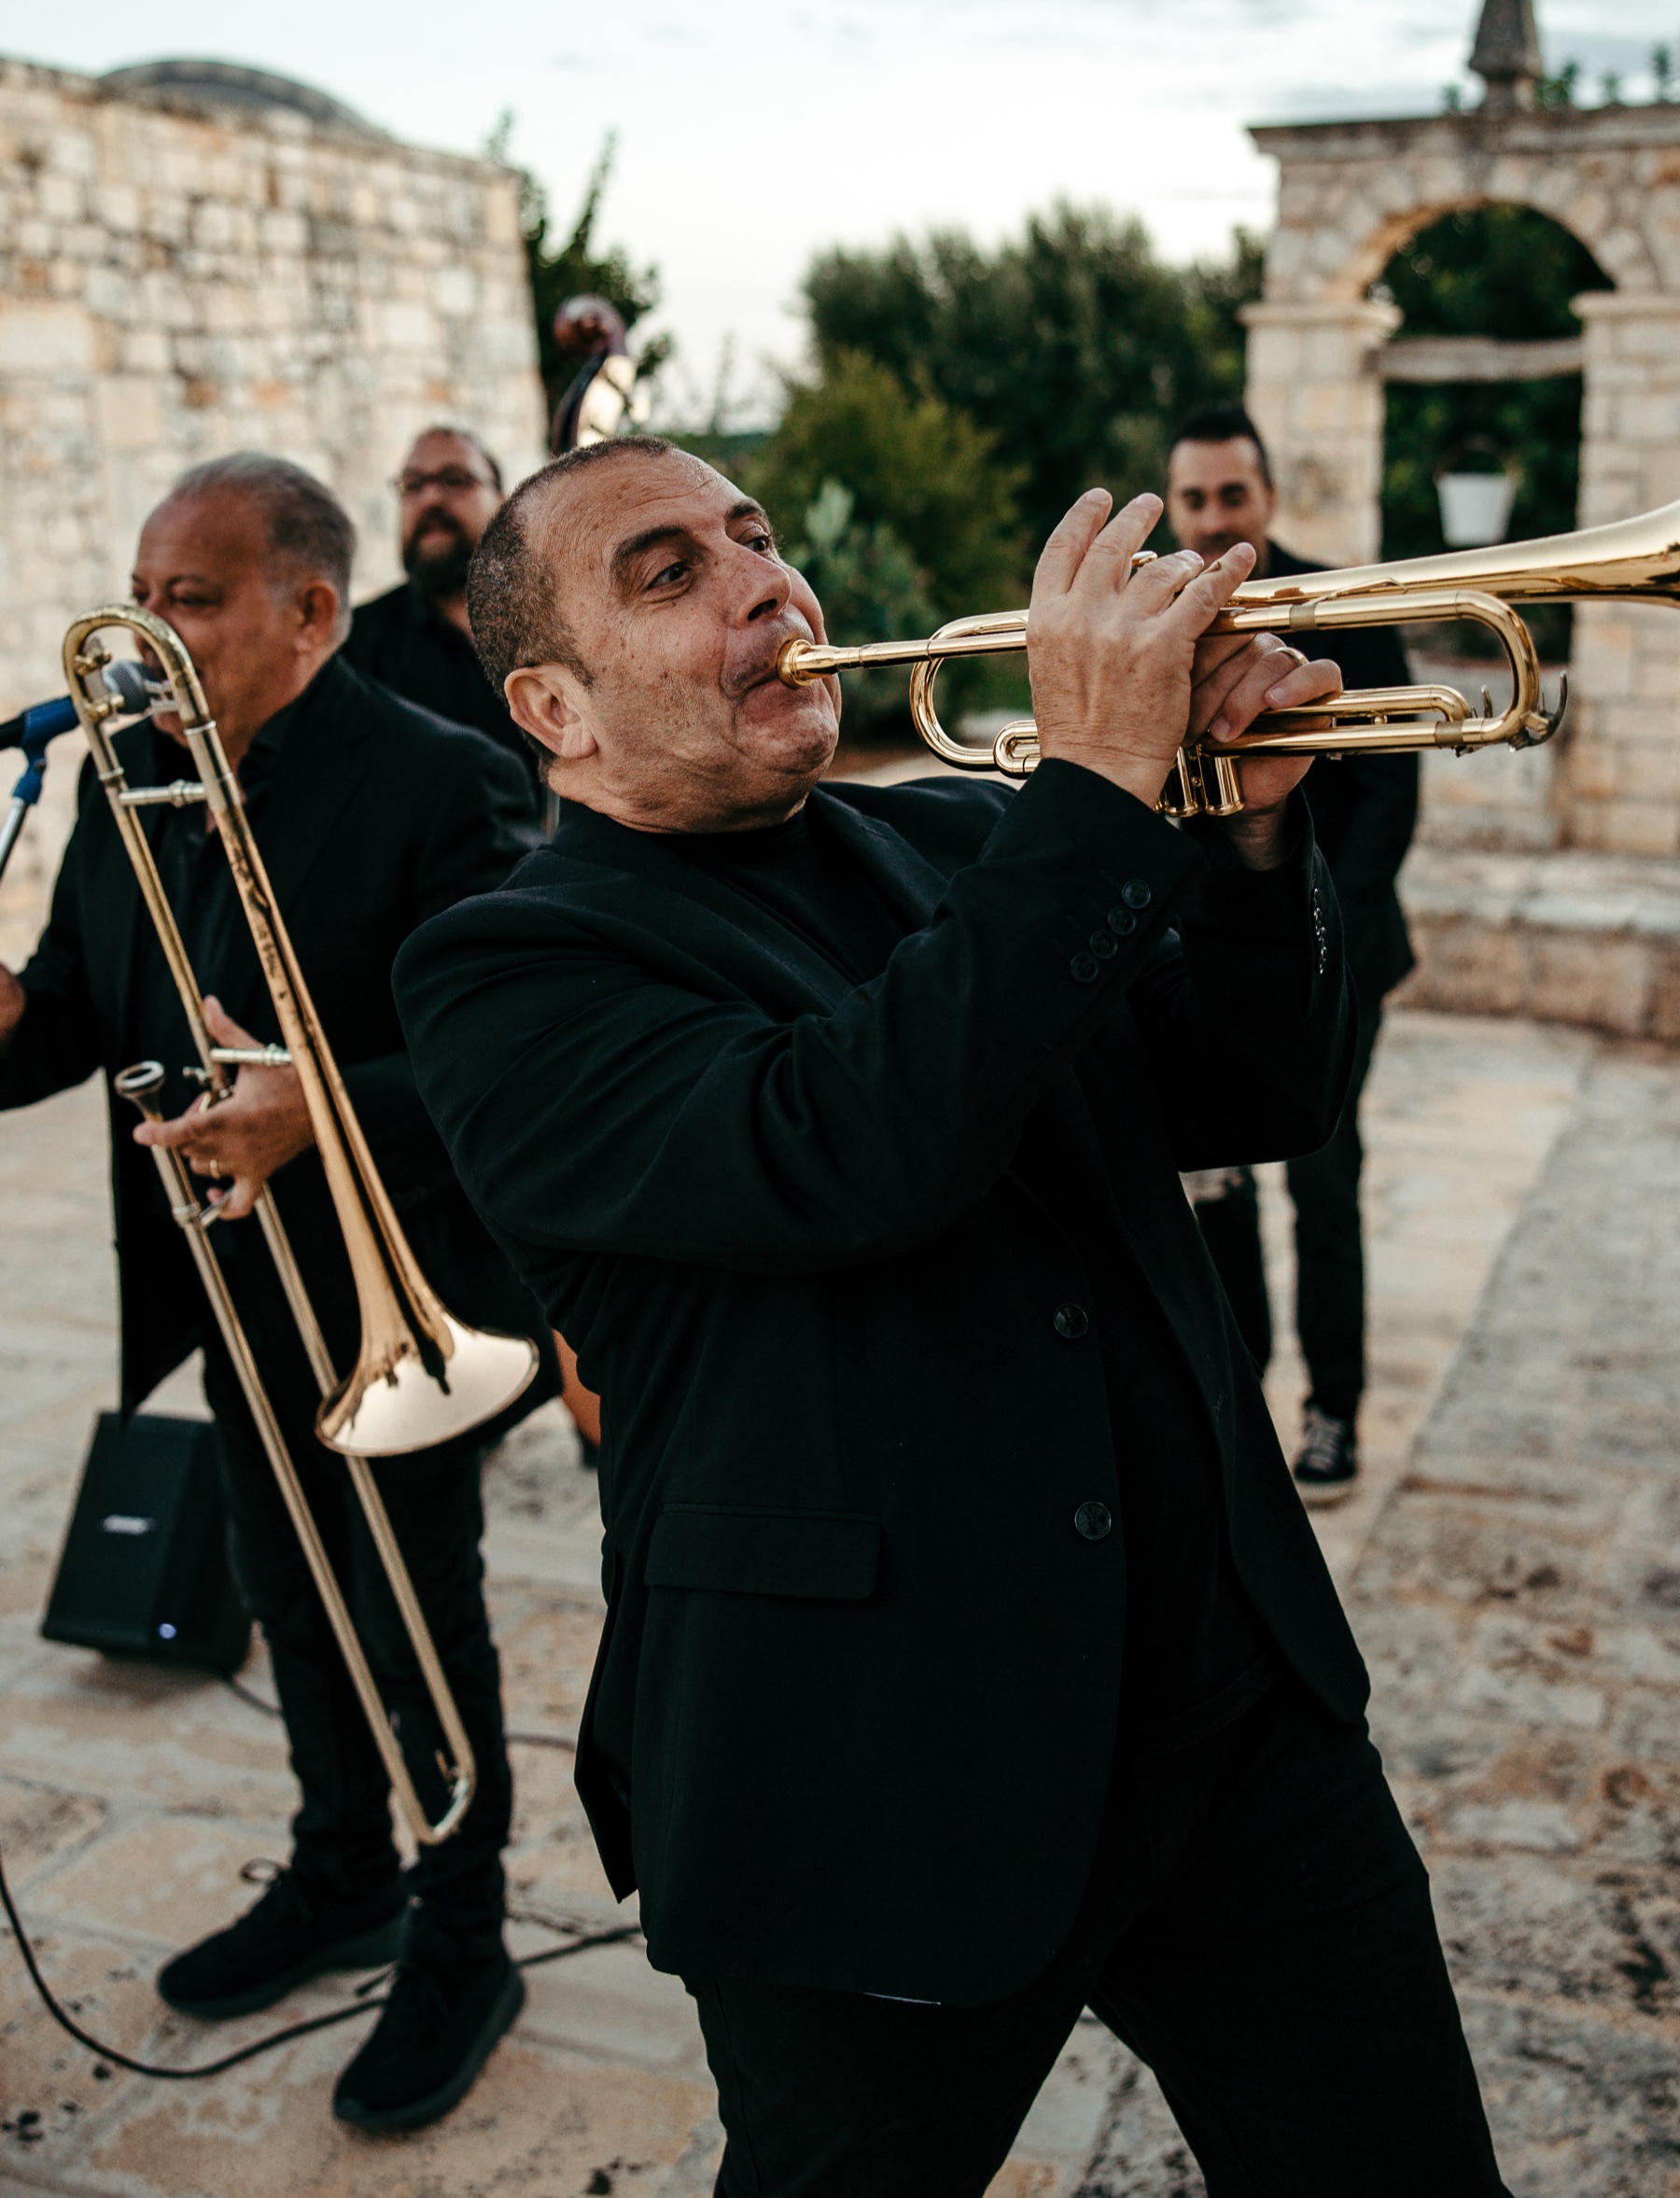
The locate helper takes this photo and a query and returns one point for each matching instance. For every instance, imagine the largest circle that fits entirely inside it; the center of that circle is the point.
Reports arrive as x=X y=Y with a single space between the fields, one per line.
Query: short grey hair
x=310 y=535
x=511 y=591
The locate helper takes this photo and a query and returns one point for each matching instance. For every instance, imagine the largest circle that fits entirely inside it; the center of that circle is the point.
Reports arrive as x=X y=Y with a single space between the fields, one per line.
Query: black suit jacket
x=1365 y=808
x=407 y=645
x=854 y=1713
x=378 y=816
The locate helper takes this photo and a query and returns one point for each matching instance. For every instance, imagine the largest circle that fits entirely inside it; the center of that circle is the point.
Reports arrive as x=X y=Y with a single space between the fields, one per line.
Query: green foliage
x=577 y=266
x=1494 y=271
x=1075 y=346
x=911 y=463
x=869 y=589
x=1559 y=91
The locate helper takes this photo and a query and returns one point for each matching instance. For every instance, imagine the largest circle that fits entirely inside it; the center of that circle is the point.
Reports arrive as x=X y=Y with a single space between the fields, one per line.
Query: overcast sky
x=750 y=136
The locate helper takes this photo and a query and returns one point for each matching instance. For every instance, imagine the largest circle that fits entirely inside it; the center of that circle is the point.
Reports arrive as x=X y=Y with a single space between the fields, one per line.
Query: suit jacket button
x=1104 y=946
x=1135 y=893
x=1122 y=921
x=1071 y=1321
x=1094 y=1521
x=1084 y=968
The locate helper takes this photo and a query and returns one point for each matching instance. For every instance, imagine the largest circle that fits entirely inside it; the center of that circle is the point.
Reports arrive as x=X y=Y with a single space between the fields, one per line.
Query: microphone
x=32 y=729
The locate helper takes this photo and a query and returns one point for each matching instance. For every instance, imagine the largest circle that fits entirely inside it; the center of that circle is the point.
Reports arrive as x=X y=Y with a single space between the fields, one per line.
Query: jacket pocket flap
x=741 y=1551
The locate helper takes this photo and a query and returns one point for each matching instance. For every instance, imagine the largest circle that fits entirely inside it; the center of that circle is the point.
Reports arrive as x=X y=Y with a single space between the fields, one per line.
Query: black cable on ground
x=263 y=2045
x=250 y=1694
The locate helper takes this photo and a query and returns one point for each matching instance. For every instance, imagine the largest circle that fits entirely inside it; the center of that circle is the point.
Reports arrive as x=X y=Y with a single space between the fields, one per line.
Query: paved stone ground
x=1513 y=1568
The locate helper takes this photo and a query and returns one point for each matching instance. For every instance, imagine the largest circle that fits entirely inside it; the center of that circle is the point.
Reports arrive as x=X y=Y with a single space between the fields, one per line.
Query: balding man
x=968 y=1657
x=372 y=816
x=416 y=639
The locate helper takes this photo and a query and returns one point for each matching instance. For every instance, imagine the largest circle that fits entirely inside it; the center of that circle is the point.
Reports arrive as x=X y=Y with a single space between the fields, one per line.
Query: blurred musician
x=1220 y=492
x=416 y=640
x=968 y=1655
x=372 y=815
x=603 y=399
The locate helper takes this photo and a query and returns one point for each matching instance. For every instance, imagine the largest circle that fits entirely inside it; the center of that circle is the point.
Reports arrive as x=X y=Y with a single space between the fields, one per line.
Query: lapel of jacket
x=320 y=772
x=905 y=877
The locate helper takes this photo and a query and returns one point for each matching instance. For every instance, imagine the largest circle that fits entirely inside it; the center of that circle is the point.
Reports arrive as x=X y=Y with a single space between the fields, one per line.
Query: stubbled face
x=1217 y=496
x=257 y=635
x=677 y=604
x=451 y=500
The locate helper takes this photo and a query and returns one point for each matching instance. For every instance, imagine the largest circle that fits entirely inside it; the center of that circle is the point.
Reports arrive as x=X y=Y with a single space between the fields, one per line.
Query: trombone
x=1631 y=561
x=420 y=1376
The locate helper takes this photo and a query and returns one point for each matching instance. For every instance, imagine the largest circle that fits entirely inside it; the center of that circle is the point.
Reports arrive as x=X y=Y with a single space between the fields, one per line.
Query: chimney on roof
x=1506 y=55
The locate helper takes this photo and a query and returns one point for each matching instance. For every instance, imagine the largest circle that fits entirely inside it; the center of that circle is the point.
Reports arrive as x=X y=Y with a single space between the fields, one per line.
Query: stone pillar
x=1618 y=783
x=1315 y=395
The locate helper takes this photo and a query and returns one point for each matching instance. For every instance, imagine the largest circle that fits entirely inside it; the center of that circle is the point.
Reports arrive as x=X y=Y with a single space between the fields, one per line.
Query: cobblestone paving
x=1513 y=1568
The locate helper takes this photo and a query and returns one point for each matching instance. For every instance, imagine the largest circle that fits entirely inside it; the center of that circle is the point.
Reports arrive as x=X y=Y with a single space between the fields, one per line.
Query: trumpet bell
x=383 y=1409
x=1631 y=560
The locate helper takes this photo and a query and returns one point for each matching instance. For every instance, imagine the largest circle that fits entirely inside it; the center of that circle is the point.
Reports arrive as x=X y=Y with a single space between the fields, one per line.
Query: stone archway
x=1349 y=194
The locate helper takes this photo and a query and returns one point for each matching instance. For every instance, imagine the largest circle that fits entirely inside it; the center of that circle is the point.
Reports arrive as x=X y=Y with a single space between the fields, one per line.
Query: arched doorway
x=1353 y=195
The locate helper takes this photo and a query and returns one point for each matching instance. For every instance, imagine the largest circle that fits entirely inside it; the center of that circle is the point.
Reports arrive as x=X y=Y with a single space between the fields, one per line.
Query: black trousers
x=1258 y=1929
x=342 y=1834
x=1330 y=1315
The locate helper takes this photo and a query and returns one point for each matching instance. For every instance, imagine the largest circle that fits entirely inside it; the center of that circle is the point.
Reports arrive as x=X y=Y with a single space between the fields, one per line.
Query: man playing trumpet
x=371 y=815
x=969 y=1658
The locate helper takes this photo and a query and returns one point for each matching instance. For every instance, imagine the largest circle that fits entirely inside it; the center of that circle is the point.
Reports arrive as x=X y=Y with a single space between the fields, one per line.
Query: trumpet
x=421 y=1376
x=1632 y=560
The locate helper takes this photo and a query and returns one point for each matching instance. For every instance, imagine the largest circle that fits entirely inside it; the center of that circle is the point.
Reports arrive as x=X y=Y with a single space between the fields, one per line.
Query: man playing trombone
x=371 y=816
x=969 y=1658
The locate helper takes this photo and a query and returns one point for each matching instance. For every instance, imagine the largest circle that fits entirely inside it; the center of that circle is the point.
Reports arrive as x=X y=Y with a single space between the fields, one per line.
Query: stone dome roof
x=224 y=84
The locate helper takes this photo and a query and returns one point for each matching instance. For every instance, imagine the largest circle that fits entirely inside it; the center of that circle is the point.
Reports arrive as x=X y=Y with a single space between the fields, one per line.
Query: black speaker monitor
x=144 y=1569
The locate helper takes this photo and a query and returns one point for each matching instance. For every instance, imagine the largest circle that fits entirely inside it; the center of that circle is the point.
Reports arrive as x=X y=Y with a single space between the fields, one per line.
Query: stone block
x=1589 y=978
x=130 y=412
x=42 y=338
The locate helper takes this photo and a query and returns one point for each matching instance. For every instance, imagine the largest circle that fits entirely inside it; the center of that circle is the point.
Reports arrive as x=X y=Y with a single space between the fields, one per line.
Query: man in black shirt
x=416 y=639
x=1219 y=493
x=968 y=1657
x=371 y=815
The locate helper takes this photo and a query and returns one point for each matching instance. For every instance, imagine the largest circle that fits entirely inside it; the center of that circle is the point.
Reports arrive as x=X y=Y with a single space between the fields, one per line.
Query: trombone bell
x=381 y=1411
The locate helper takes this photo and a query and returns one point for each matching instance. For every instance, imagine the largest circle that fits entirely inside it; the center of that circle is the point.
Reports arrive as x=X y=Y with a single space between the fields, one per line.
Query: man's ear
x=318 y=616
x=544 y=701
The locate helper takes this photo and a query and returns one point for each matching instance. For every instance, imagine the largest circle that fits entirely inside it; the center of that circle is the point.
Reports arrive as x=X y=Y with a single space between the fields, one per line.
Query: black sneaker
x=288 y=1938
x=446 y=2012
x=1328 y=1465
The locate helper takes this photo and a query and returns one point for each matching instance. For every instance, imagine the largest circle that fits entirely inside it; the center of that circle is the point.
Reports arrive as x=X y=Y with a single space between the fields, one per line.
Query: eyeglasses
x=455 y=477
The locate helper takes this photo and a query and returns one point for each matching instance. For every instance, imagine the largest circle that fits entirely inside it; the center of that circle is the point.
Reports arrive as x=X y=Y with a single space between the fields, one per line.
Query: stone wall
x=178 y=281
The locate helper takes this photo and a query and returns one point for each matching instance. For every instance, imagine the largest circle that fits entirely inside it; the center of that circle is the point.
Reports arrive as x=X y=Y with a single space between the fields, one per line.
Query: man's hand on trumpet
x=249 y=1136
x=1123 y=667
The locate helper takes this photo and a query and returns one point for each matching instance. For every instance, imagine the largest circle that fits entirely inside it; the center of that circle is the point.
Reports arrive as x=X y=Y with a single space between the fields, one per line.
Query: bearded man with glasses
x=417 y=640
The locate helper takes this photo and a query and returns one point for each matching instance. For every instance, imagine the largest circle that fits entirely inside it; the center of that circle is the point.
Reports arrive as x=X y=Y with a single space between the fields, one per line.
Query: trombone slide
x=443 y=1377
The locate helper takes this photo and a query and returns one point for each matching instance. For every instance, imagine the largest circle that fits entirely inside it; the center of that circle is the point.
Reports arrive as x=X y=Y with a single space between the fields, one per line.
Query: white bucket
x=1476 y=507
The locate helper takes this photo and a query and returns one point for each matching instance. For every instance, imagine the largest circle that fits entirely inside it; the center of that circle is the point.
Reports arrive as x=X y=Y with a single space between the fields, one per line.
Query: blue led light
x=168 y=1632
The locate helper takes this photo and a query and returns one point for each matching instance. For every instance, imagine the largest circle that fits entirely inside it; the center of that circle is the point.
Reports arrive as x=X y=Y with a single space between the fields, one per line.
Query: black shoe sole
x=1319 y=1496
x=369 y=1950
x=416 y=2113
